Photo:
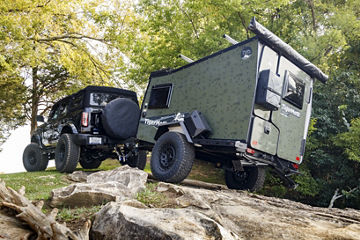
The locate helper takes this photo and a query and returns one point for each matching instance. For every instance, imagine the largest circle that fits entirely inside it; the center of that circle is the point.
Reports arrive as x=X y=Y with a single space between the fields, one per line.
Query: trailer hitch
x=283 y=172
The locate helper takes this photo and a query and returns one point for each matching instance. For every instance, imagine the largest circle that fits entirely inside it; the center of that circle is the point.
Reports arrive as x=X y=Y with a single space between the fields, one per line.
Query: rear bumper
x=94 y=140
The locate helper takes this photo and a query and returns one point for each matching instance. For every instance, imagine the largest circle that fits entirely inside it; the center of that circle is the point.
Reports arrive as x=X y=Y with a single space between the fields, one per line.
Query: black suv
x=89 y=126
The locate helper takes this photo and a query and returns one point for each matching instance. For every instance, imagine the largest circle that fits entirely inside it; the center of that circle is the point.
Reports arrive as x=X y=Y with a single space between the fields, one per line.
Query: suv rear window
x=294 y=92
x=101 y=99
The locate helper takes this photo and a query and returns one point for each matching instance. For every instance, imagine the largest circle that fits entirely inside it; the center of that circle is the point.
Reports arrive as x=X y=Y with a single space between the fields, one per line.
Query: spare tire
x=120 y=118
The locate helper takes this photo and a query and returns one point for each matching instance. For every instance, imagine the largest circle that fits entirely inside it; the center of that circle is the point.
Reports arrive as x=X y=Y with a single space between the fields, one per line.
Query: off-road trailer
x=245 y=107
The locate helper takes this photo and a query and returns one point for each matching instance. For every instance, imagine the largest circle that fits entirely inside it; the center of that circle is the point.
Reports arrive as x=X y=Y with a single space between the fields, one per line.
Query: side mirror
x=40 y=118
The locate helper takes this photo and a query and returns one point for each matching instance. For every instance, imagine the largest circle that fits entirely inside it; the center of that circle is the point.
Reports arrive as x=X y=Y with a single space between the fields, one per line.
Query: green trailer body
x=253 y=97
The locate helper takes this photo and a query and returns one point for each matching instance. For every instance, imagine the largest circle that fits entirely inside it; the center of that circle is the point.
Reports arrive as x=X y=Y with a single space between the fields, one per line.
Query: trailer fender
x=180 y=128
x=191 y=125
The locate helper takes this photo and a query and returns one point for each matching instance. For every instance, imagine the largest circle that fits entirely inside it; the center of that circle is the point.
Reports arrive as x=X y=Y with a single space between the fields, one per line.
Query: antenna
x=230 y=40
x=185 y=58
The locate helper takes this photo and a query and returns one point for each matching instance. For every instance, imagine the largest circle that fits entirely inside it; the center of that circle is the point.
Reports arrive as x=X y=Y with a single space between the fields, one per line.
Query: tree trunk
x=34 y=100
x=334 y=198
x=312 y=8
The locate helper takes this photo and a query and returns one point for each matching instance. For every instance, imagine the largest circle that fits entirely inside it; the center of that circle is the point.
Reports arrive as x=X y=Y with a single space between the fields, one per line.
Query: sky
x=13 y=148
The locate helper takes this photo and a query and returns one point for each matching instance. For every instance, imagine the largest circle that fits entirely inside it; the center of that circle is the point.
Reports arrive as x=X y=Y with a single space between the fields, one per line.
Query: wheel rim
x=32 y=158
x=167 y=156
x=241 y=176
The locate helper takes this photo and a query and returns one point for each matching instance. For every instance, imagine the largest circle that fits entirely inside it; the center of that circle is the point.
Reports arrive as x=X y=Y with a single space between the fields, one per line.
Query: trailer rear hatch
x=282 y=107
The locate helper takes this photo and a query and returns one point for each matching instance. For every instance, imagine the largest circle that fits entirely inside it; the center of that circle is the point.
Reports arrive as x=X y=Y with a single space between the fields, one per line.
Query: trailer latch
x=267 y=128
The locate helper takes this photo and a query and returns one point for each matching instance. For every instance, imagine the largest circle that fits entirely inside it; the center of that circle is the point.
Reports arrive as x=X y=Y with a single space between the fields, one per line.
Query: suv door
x=48 y=130
x=52 y=131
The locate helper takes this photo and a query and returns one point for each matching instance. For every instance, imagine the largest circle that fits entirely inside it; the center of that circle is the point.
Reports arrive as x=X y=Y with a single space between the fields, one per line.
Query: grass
x=70 y=214
x=207 y=172
x=150 y=197
x=38 y=185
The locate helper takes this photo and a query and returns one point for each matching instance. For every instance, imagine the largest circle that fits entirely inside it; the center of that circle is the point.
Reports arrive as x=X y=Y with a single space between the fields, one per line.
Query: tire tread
x=41 y=159
x=180 y=171
x=72 y=154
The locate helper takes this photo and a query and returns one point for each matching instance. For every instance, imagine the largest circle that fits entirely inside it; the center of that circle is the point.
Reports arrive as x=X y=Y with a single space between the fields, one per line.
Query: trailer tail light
x=250 y=151
x=296 y=166
x=85 y=119
x=297 y=158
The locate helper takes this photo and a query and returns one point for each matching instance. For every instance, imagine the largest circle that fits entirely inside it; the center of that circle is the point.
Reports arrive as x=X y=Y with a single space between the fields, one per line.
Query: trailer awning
x=287 y=51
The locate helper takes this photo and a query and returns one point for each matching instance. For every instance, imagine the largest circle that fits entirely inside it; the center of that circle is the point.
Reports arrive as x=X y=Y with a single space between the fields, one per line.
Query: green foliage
x=49 y=49
x=350 y=141
x=307 y=184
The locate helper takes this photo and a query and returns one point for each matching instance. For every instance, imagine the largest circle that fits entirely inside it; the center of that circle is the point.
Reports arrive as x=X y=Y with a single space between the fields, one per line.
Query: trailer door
x=293 y=116
x=282 y=108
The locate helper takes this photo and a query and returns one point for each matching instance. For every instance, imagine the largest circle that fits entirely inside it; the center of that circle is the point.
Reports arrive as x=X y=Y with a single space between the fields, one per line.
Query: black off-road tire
x=251 y=179
x=67 y=154
x=89 y=162
x=172 y=158
x=138 y=160
x=34 y=159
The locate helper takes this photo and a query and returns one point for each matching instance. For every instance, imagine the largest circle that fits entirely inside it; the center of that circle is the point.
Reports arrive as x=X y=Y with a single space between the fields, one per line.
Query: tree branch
x=244 y=25
x=191 y=21
x=67 y=36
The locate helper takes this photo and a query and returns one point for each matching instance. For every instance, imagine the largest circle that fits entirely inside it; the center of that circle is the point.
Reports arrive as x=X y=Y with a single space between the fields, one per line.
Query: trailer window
x=294 y=92
x=160 y=96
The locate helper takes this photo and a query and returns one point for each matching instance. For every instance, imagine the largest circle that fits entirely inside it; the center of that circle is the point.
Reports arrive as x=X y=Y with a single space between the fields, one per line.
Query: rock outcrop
x=118 y=220
x=190 y=213
x=119 y=184
x=225 y=214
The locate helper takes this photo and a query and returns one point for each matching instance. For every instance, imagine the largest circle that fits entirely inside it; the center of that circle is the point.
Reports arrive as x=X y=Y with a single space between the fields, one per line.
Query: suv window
x=63 y=109
x=76 y=101
x=54 y=113
x=101 y=99
x=294 y=92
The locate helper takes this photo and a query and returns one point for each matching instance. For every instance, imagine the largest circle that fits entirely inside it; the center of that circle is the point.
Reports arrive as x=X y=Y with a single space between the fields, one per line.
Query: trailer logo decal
x=286 y=111
x=152 y=122
x=164 y=120
x=246 y=52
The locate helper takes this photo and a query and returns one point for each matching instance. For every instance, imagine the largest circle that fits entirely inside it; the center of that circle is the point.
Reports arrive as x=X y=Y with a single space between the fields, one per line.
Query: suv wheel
x=67 y=154
x=34 y=159
x=252 y=178
x=88 y=162
x=138 y=160
x=172 y=157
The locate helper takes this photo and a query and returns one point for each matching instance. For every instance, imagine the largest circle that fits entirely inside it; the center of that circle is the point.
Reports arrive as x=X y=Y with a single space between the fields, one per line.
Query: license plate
x=95 y=140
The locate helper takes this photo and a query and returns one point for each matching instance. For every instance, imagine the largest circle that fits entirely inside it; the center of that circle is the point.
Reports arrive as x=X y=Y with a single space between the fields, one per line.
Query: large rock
x=118 y=220
x=101 y=187
x=225 y=214
x=78 y=176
